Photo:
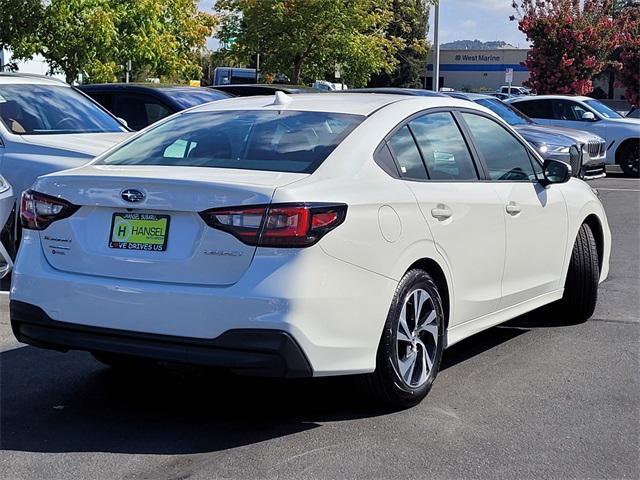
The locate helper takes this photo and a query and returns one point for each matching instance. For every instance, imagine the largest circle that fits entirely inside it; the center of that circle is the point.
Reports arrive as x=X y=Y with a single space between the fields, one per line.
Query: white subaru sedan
x=303 y=236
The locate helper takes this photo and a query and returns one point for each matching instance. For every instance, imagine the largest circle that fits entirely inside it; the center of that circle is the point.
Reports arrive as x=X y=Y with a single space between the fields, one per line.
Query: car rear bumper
x=270 y=353
x=333 y=310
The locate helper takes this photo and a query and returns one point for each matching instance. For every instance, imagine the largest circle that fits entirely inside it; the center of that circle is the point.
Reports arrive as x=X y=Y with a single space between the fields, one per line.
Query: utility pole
x=436 y=47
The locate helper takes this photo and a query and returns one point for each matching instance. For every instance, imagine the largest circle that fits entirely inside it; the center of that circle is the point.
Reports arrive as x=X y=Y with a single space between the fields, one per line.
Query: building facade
x=478 y=70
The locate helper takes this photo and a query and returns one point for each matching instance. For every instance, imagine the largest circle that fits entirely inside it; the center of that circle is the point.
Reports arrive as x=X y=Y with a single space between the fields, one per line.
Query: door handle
x=441 y=212
x=513 y=208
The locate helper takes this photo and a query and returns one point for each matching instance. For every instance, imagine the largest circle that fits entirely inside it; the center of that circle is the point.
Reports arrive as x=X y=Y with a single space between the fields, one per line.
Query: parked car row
x=303 y=236
x=47 y=126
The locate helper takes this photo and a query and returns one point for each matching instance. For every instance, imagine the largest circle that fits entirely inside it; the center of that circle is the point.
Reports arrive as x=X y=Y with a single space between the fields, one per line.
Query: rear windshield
x=283 y=141
x=187 y=98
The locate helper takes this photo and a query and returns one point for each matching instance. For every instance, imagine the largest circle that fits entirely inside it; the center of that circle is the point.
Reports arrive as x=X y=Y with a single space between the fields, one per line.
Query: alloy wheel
x=417 y=338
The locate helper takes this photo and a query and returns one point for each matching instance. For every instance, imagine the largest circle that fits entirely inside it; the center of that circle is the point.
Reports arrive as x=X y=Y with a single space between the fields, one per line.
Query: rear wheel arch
x=437 y=274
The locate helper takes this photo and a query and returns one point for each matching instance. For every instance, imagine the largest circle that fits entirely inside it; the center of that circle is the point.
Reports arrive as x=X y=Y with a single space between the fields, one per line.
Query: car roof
x=29 y=79
x=141 y=87
x=471 y=96
x=283 y=87
x=552 y=97
x=394 y=91
x=355 y=104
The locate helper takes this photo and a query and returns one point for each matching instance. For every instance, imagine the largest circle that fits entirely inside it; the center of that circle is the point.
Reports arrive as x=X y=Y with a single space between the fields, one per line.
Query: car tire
x=581 y=285
x=121 y=361
x=628 y=157
x=395 y=382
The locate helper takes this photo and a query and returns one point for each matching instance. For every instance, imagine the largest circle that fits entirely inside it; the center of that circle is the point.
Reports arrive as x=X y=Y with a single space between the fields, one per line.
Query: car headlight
x=544 y=148
x=4 y=185
x=557 y=148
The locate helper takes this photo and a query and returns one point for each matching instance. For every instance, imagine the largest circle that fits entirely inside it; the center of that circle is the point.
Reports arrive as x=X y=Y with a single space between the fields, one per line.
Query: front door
x=535 y=216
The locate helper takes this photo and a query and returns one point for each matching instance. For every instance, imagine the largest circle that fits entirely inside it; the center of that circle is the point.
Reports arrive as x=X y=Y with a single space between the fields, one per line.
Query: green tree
x=19 y=20
x=306 y=39
x=410 y=23
x=161 y=37
x=98 y=37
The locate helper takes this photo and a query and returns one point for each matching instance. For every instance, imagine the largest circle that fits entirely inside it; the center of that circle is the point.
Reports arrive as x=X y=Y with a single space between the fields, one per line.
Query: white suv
x=311 y=235
x=622 y=134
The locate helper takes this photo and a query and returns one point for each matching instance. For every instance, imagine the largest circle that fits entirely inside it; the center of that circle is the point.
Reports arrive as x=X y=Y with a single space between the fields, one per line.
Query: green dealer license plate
x=139 y=231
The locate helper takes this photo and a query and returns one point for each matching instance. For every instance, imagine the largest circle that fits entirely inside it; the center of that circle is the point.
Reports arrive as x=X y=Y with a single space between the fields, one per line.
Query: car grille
x=574 y=160
x=595 y=148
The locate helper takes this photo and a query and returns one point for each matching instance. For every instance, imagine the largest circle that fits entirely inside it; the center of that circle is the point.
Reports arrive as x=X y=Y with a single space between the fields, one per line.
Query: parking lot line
x=618 y=190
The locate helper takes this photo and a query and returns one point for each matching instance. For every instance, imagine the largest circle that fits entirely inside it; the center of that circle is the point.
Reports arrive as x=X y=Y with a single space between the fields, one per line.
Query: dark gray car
x=584 y=151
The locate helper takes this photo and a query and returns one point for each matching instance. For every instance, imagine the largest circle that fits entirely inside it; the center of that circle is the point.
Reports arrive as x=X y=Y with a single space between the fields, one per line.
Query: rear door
x=535 y=216
x=463 y=214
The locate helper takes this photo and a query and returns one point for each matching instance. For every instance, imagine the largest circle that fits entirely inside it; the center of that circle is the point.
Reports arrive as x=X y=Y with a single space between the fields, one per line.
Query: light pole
x=436 y=47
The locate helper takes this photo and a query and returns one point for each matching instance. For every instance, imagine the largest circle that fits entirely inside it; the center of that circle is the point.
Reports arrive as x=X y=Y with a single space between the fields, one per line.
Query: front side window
x=603 y=109
x=139 y=111
x=282 y=141
x=443 y=148
x=407 y=155
x=505 y=157
x=567 y=110
x=29 y=109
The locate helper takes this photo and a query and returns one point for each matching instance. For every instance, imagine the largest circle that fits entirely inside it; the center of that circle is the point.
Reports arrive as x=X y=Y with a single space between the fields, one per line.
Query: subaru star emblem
x=132 y=195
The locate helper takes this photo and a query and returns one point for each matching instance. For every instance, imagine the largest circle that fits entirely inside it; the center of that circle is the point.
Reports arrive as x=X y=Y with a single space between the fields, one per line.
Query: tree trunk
x=70 y=75
x=295 y=71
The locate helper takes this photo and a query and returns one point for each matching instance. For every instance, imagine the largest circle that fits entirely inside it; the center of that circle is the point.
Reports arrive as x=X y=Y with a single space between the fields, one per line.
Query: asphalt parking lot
x=535 y=398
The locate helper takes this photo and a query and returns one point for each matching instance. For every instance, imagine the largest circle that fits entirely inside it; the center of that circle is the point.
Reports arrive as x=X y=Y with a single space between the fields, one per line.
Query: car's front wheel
x=581 y=286
x=410 y=349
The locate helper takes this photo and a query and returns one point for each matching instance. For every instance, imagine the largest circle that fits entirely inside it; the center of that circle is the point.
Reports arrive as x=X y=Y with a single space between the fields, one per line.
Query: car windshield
x=505 y=112
x=52 y=109
x=190 y=98
x=283 y=141
x=602 y=109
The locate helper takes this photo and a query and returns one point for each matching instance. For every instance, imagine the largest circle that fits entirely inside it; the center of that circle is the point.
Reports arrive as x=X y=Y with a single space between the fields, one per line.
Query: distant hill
x=474 y=45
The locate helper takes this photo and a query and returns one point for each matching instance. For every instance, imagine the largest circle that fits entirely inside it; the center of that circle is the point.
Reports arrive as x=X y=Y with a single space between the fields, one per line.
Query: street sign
x=508 y=75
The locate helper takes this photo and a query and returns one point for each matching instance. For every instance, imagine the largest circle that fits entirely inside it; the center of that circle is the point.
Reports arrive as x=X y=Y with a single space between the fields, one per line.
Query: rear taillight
x=38 y=211
x=279 y=225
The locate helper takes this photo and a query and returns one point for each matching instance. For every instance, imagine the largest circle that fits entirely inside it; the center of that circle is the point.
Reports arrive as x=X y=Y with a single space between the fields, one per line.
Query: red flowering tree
x=571 y=42
x=626 y=54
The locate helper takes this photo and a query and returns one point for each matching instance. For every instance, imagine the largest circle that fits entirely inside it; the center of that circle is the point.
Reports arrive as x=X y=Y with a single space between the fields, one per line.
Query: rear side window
x=283 y=141
x=407 y=155
x=535 y=108
x=506 y=158
x=443 y=147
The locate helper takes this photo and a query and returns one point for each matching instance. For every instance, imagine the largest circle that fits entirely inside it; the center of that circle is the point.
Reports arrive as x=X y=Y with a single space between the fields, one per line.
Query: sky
x=484 y=20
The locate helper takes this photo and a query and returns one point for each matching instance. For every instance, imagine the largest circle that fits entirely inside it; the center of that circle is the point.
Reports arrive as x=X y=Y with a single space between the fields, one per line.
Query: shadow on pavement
x=55 y=402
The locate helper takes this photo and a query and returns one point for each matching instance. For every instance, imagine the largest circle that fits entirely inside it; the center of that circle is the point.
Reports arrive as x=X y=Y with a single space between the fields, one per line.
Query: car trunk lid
x=161 y=237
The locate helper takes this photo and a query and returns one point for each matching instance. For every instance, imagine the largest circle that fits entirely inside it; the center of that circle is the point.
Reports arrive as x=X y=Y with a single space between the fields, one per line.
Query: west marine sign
x=477 y=58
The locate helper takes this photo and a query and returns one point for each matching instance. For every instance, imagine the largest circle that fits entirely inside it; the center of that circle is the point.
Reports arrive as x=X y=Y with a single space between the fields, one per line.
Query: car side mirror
x=588 y=117
x=123 y=121
x=555 y=171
